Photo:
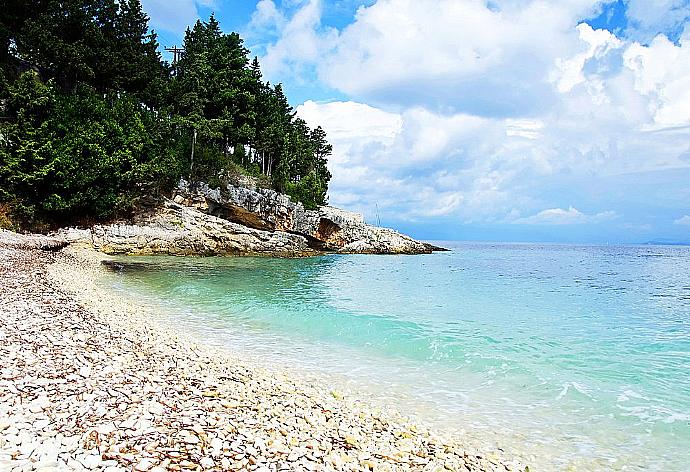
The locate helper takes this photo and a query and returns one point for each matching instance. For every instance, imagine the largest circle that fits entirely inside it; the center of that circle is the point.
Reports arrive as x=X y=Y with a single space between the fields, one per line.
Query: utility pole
x=176 y=52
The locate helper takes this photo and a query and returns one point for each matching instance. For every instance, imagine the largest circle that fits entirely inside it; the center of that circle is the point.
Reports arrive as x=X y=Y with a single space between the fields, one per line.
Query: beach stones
x=90 y=383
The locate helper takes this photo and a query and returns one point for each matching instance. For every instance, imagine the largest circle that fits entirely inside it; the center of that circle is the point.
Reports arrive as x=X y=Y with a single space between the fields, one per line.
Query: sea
x=576 y=356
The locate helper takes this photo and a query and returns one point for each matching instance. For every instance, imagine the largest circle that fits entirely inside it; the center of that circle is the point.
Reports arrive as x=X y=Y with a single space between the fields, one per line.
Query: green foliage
x=220 y=94
x=82 y=154
x=93 y=119
x=310 y=190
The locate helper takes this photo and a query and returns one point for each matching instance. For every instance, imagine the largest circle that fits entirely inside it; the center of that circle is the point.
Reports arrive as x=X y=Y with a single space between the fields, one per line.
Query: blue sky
x=520 y=120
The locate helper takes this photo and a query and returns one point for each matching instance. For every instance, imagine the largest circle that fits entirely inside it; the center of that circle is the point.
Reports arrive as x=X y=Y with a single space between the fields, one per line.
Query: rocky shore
x=243 y=221
x=87 y=383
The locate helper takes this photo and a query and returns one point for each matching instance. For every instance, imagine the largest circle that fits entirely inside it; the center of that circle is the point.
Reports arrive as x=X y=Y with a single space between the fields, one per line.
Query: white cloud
x=559 y=216
x=379 y=156
x=444 y=205
x=301 y=40
x=266 y=16
x=662 y=73
x=463 y=111
x=683 y=220
x=417 y=163
x=460 y=55
x=338 y=118
x=648 y=17
x=530 y=129
x=172 y=15
x=599 y=44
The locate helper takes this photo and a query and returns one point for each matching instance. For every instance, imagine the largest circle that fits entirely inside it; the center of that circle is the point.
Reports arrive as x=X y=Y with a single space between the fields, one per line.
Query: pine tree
x=94 y=117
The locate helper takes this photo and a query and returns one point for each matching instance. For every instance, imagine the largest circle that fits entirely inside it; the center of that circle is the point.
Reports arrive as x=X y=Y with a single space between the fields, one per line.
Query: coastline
x=90 y=382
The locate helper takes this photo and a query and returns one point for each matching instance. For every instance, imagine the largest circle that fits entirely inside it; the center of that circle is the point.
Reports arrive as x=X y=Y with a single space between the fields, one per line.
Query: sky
x=498 y=120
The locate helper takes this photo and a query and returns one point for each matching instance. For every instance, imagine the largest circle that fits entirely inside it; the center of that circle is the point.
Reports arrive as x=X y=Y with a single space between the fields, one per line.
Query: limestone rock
x=326 y=228
x=176 y=229
x=30 y=241
x=237 y=220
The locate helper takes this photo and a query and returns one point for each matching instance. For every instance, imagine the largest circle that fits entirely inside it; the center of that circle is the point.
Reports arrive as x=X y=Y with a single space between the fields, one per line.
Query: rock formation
x=326 y=229
x=30 y=241
x=179 y=230
x=241 y=221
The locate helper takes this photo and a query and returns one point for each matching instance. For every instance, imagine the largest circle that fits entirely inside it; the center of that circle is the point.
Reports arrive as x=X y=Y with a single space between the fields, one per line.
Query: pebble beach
x=87 y=383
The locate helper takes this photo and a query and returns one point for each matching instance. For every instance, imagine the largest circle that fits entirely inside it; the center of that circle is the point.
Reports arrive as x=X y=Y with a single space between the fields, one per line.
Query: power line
x=176 y=52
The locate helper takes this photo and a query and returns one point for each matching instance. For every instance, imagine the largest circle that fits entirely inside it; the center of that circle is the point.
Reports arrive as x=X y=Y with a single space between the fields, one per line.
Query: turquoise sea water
x=579 y=356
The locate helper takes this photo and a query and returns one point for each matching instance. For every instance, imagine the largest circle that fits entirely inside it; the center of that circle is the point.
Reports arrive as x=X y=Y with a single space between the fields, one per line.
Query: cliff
x=241 y=220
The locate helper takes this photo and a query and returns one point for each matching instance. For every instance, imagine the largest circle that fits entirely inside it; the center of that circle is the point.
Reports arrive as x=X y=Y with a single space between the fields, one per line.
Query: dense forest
x=92 y=118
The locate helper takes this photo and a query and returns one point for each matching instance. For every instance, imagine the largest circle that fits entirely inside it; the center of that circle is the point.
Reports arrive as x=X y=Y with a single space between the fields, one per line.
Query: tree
x=26 y=151
x=133 y=64
x=77 y=155
x=93 y=118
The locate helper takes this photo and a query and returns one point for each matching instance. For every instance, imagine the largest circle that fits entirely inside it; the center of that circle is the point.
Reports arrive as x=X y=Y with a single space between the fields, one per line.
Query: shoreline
x=150 y=398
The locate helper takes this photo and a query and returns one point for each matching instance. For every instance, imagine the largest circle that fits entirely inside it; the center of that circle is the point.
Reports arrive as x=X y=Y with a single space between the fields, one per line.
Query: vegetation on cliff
x=92 y=117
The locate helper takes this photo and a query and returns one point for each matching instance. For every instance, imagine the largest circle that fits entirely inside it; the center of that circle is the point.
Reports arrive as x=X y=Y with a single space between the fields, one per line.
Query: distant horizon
x=557 y=243
x=540 y=235
x=438 y=231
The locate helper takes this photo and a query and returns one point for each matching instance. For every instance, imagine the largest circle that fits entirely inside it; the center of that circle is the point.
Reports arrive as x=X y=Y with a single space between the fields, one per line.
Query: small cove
x=578 y=355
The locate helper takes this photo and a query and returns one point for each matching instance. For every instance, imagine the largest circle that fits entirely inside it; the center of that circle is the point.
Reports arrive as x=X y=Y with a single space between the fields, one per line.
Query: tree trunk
x=191 y=161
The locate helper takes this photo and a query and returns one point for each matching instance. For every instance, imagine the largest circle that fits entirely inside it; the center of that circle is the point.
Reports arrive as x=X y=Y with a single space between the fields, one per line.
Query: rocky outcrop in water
x=326 y=229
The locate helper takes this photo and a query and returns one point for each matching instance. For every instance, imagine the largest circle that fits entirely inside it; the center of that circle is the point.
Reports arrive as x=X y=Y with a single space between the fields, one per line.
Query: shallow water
x=576 y=355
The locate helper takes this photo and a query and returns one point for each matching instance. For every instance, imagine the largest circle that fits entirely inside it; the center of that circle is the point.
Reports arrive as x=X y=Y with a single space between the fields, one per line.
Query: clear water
x=578 y=356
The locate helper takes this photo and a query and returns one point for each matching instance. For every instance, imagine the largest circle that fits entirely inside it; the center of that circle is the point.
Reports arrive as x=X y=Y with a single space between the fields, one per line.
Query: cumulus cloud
x=267 y=17
x=559 y=216
x=683 y=220
x=648 y=17
x=339 y=117
x=483 y=58
x=662 y=73
x=301 y=40
x=415 y=163
x=484 y=113
x=172 y=15
x=599 y=44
